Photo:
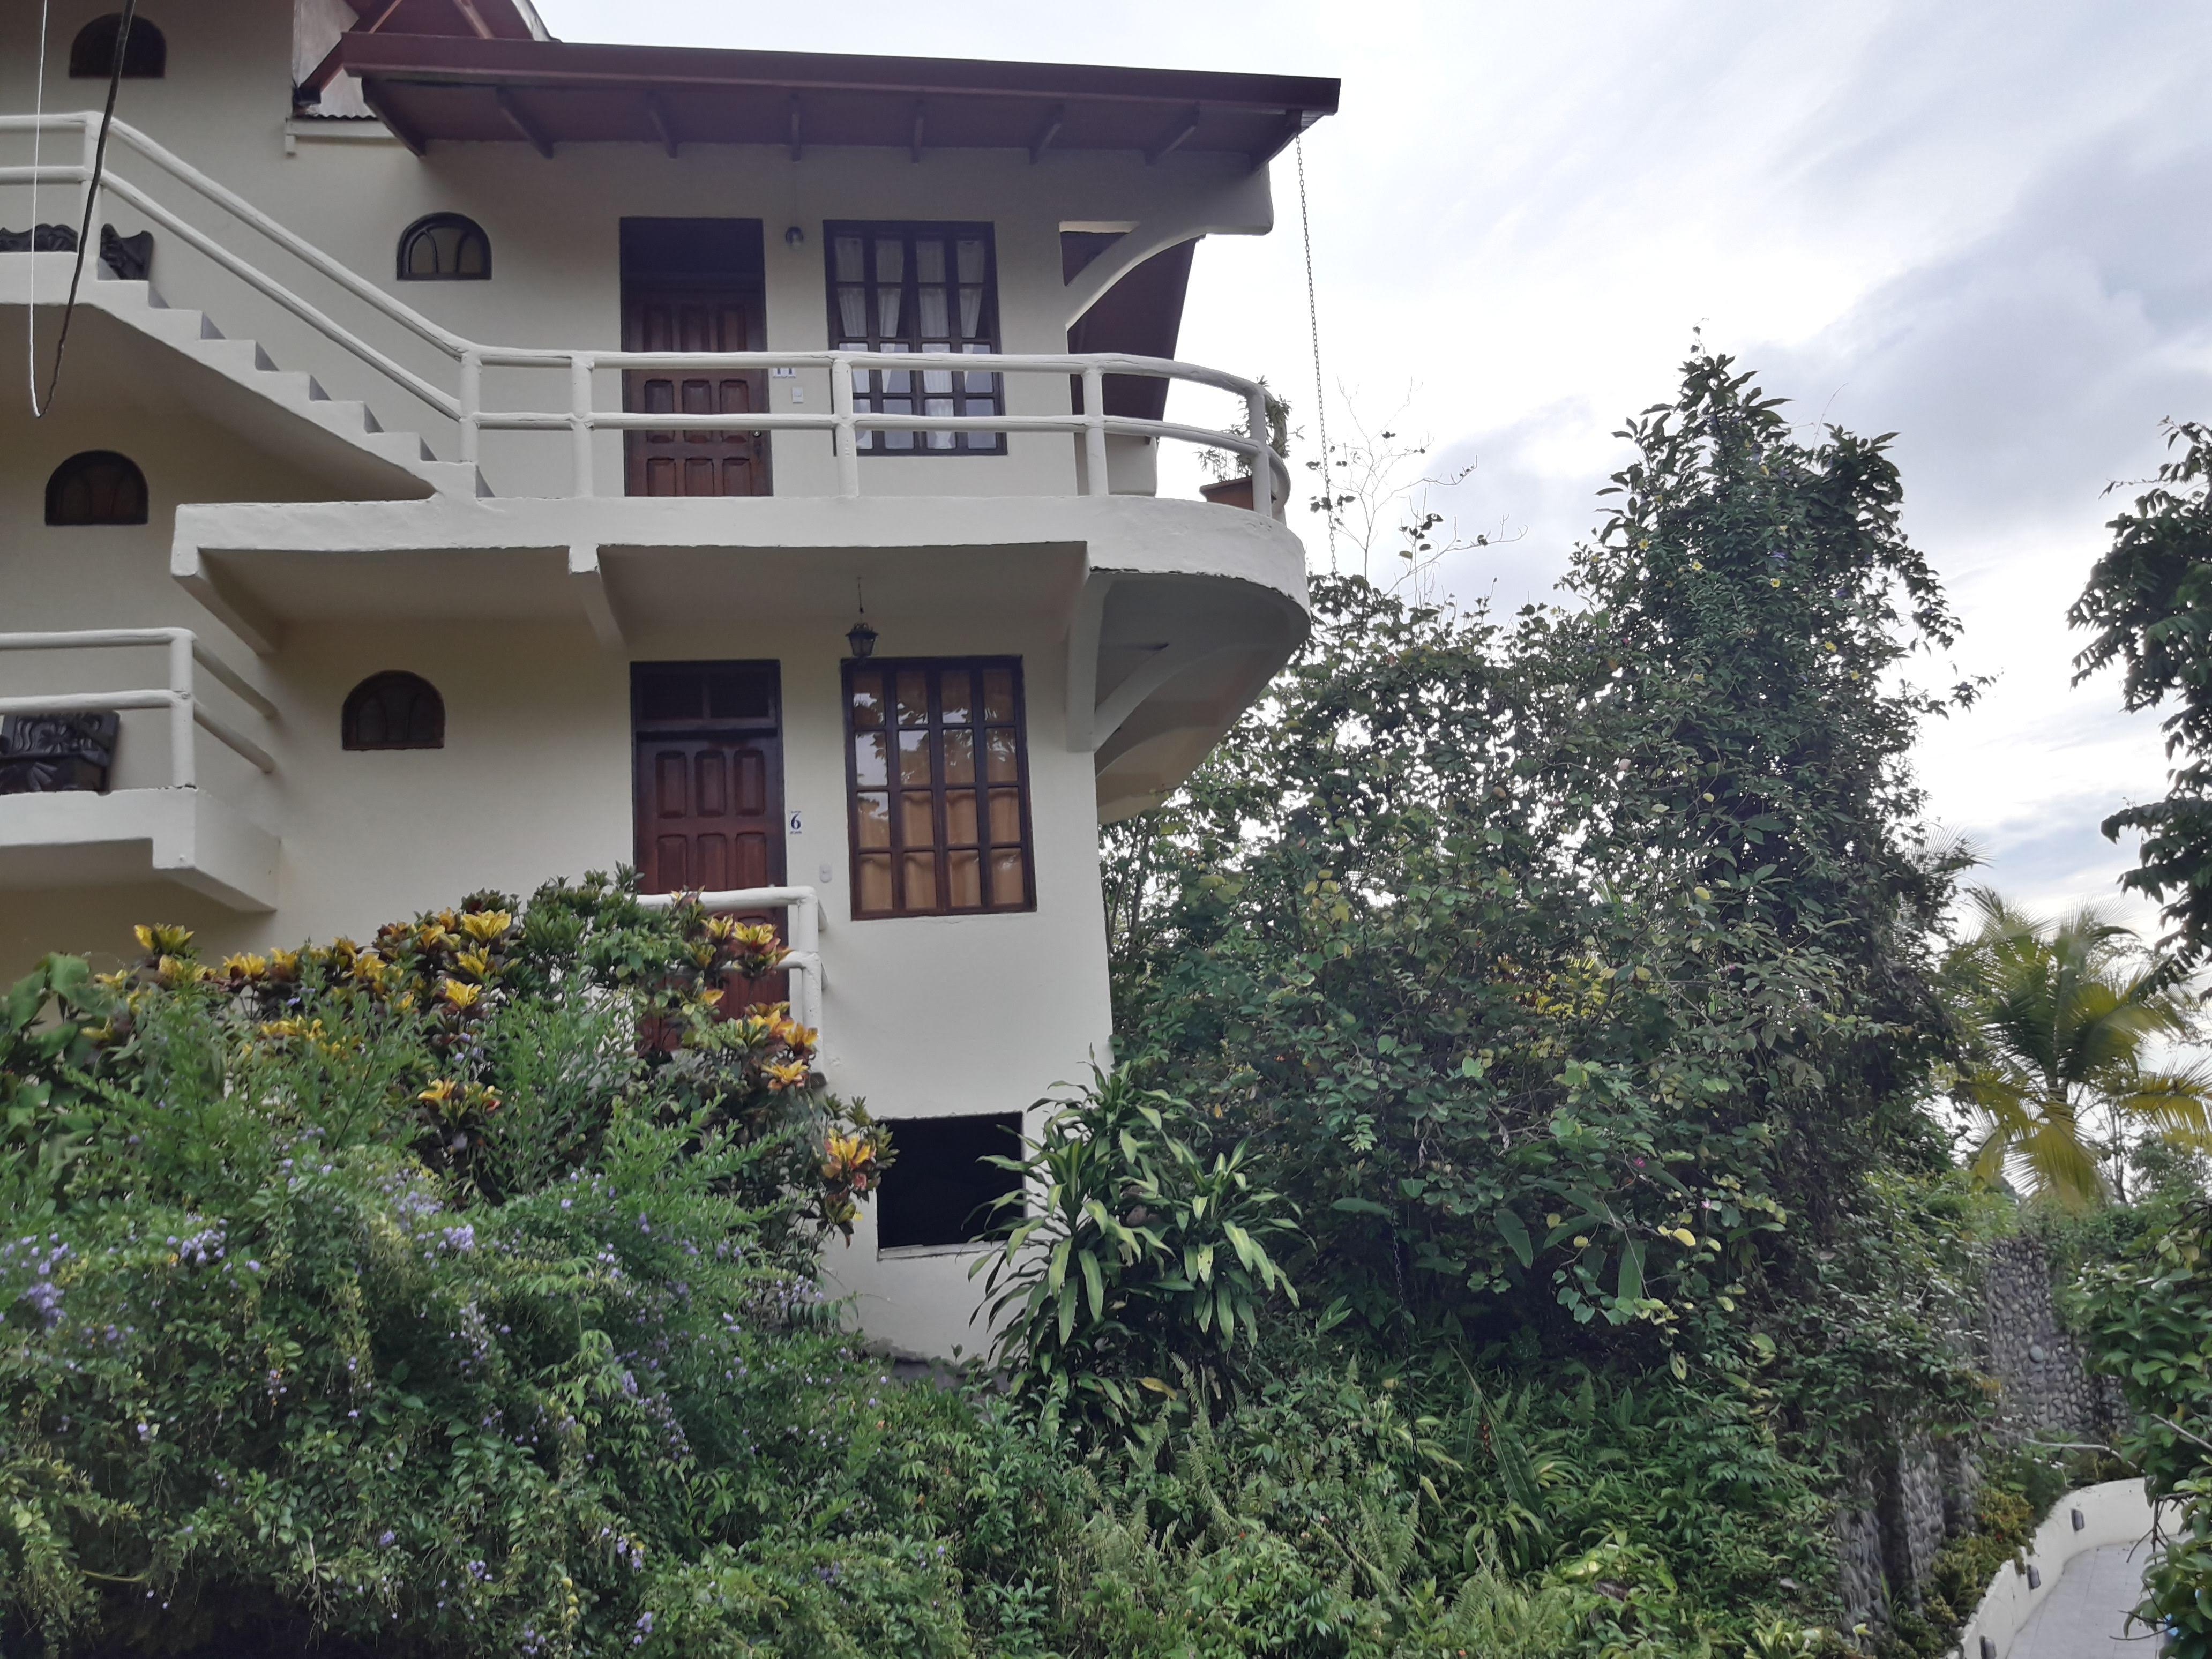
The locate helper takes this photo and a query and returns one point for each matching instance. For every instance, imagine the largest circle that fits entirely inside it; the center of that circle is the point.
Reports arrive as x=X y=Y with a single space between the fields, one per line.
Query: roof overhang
x=451 y=88
x=488 y=20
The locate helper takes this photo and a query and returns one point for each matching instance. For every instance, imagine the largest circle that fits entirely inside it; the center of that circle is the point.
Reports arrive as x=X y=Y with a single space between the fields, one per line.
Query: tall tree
x=2149 y=599
x=2066 y=1018
x=1579 y=962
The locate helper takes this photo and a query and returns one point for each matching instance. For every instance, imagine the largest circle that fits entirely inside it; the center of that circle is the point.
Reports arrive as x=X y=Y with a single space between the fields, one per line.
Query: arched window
x=445 y=248
x=394 y=710
x=98 y=487
x=92 y=54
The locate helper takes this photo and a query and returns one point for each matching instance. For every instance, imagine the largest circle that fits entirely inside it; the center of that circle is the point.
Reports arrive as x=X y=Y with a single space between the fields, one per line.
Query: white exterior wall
x=554 y=226
x=922 y=1015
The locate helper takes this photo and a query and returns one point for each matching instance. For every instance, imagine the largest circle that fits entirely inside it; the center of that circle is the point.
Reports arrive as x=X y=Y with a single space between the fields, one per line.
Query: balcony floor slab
x=78 y=839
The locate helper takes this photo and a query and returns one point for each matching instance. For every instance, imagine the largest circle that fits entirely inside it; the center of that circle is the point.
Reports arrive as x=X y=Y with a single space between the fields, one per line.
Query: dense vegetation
x=1514 y=1225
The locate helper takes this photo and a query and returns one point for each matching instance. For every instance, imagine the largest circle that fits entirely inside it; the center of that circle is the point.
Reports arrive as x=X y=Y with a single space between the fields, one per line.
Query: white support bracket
x=262 y=633
x=1148 y=677
x=590 y=584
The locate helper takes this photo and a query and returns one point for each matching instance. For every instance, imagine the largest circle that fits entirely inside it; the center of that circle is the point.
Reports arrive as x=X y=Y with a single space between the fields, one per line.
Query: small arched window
x=445 y=248
x=98 y=487
x=92 y=54
x=394 y=710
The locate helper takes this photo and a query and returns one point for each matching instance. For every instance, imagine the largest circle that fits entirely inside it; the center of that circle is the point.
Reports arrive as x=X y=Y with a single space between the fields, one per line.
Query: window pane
x=913 y=759
x=964 y=879
x=913 y=697
x=887 y=309
x=868 y=700
x=1006 y=816
x=876 y=882
x=959 y=757
x=852 y=309
x=971 y=259
x=872 y=818
x=953 y=690
x=930 y=308
x=921 y=871
x=971 y=312
x=870 y=760
x=890 y=260
x=960 y=819
x=917 y=826
x=1000 y=765
x=929 y=259
x=848 y=259
x=1009 y=878
x=999 y=695
x=937 y=382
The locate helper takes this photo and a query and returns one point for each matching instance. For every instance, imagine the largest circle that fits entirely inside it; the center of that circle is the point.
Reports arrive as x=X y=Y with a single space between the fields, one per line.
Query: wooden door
x=709 y=787
x=674 y=317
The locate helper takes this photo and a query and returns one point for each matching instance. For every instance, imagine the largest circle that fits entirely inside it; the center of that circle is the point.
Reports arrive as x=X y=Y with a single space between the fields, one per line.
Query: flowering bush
x=404 y=1294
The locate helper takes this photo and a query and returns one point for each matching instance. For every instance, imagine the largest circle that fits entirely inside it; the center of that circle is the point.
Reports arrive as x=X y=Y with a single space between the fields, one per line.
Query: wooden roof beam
x=521 y=122
x=403 y=130
x=1052 y=122
x=794 y=127
x=1175 y=137
x=474 y=19
x=663 y=124
x=921 y=118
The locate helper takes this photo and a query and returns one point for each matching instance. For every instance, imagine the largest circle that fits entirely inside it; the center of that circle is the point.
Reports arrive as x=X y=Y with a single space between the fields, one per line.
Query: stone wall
x=1908 y=1505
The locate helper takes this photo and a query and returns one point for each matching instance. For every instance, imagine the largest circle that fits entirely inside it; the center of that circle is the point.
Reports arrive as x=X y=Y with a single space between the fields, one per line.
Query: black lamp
x=861 y=637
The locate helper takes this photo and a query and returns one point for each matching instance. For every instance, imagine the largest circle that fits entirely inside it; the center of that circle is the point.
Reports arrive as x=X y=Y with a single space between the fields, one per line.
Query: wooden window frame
x=430 y=222
x=869 y=388
x=349 y=738
x=64 y=477
x=895 y=848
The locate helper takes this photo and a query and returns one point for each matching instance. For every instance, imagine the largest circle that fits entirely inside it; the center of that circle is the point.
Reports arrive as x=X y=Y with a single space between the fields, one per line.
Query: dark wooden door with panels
x=707 y=784
x=694 y=285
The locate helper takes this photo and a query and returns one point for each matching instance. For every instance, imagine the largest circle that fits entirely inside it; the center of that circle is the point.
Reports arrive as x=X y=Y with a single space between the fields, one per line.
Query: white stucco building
x=479 y=478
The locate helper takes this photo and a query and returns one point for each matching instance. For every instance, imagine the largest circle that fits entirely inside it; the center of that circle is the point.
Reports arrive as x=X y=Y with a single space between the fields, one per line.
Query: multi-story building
x=475 y=457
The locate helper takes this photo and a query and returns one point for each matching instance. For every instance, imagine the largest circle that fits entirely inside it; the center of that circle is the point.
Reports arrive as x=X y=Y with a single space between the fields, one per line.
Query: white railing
x=581 y=416
x=184 y=708
x=802 y=905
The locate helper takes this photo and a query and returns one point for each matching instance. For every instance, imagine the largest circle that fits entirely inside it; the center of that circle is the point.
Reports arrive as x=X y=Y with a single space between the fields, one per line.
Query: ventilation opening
x=939 y=1190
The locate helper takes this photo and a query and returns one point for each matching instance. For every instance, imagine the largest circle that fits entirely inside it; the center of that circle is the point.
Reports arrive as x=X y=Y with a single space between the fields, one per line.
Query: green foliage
x=402 y=1296
x=2149 y=600
x=1132 y=1258
x=2063 y=1019
x=1574 y=974
x=2150 y=1318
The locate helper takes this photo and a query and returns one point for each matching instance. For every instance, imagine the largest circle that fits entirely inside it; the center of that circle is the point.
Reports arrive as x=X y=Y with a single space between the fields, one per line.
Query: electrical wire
x=1313 y=326
x=39 y=407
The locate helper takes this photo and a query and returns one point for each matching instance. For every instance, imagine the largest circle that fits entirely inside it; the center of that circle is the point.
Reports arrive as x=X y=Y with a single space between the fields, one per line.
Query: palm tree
x=2064 y=1019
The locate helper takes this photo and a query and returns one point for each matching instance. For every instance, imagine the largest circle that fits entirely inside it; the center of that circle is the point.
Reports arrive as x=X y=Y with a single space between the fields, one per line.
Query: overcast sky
x=1986 y=227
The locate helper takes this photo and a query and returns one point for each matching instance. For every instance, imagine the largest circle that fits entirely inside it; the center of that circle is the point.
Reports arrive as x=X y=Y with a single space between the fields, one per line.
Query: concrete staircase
x=242 y=364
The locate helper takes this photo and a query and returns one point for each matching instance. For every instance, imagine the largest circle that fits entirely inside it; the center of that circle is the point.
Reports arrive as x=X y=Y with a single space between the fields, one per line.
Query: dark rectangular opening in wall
x=940 y=1190
x=694 y=286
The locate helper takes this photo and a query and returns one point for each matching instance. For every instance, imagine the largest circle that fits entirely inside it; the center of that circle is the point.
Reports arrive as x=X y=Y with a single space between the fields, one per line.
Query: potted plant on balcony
x=1232 y=487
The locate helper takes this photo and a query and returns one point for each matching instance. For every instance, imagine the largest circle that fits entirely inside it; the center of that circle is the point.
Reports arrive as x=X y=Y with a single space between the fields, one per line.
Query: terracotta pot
x=1229 y=492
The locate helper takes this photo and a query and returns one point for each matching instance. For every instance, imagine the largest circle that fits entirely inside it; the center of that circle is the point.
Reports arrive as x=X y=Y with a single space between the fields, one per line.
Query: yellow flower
x=459 y=995
x=789 y=1075
x=284 y=964
x=163 y=939
x=246 y=967
x=277 y=1028
x=440 y=1094
x=485 y=925
x=474 y=963
x=179 y=971
x=367 y=967
x=431 y=935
